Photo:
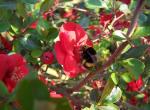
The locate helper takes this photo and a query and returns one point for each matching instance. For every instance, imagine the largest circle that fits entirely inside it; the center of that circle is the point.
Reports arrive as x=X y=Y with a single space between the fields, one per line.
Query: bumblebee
x=89 y=57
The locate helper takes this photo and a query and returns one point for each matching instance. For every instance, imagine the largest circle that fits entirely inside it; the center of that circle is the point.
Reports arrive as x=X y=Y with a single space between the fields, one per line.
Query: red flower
x=33 y=25
x=145 y=97
x=53 y=94
x=6 y=43
x=135 y=85
x=126 y=1
x=105 y=19
x=47 y=57
x=121 y=24
x=133 y=101
x=12 y=69
x=72 y=38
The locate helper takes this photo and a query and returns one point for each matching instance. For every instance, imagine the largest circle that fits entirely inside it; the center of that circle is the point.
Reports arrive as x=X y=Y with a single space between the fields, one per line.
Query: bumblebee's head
x=89 y=57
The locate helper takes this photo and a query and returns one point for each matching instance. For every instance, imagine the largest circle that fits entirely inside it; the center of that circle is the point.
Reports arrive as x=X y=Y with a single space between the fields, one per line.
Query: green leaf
x=5 y=15
x=93 y=4
x=84 y=22
x=109 y=107
x=4 y=26
x=127 y=77
x=145 y=106
x=53 y=33
x=5 y=106
x=43 y=27
x=114 y=78
x=147 y=65
x=29 y=1
x=142 y=19
x=30 y=91
x=3 y=89
x=47 y=4
x=28 y=42
x=92 y=107
x=140 y=95
x=118 y=35
x=107 y=90
x=21 y=9
x=8 y=5
x=141 y=31
x=36 y=53
x=114 y=96
x=140 y=50
x=135 y=66
x=58 y=104
x=124 y=8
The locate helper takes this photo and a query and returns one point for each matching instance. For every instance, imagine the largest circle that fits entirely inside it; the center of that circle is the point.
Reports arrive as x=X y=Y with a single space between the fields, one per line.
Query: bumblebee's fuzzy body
x=89 y=57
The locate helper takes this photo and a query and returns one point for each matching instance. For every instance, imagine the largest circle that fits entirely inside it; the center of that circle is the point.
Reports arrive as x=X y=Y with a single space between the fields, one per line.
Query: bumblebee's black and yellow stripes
x=89 y=57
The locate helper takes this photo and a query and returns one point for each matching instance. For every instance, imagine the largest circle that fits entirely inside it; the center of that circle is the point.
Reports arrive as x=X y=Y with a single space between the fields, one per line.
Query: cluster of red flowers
x=72 y=38
x=135 y=86
x=12 y=69
x=106 y=19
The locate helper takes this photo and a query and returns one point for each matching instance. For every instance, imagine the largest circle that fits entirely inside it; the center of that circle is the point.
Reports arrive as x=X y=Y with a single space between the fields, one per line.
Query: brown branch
x=135 y=18
x=117 y=52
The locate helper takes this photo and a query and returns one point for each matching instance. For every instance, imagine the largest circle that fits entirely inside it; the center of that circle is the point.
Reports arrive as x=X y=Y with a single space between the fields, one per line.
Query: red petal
x=126 y=1
x=67 y=43
x=10 y=84
x=6 y=43
x=69 y=26
x=53 y=94
x=33 y=25
x=133 y=101
x=78 y=30
x=139 y=82
x=60 y=54
x=23 y=71
x=16 y=60
x=80 y=33
x=71 y=67
x=105 y=19
x=3 y=65
x=89 y=43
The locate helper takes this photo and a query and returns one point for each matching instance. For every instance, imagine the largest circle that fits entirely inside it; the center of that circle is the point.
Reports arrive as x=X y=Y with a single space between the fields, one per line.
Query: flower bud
x=47 y=57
